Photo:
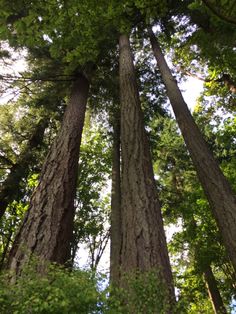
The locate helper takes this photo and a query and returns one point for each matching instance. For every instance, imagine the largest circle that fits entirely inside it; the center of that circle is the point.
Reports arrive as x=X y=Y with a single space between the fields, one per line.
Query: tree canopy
x=96 y=70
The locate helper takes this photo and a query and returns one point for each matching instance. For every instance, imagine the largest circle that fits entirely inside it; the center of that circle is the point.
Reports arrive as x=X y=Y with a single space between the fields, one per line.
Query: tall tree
x=217 y=189
x=143 y=239
x=52 y=204
x=198 y=239
x=78 y=36
x=116 y=216
x=214 y=294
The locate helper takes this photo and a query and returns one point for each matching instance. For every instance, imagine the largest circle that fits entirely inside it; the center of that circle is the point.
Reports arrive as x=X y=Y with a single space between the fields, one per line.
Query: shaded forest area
x=98 y=147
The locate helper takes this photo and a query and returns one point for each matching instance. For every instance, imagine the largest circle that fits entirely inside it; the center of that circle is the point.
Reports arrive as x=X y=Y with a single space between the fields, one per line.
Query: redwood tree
x=47 y=227
x=143 y=239
x=216 y=187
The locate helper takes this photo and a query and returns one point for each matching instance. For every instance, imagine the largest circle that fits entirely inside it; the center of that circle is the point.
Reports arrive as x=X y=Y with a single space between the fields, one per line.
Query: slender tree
x=206 y=270
x=116 y=216
x=10 y=189
x=143 y=239
x=214 y=294
x=217 y=189
x=52 y=204
x=198 y=239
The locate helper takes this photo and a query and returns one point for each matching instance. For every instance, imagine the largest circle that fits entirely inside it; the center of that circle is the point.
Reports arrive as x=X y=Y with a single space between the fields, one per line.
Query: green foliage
x=47 y=288
x=141 y=293
x=206 y=48
x=57 y=291
x=193 y=298
x=8 y=227
x=91 y=222
x=198 y=244
x=33 y=180
x=73 y=32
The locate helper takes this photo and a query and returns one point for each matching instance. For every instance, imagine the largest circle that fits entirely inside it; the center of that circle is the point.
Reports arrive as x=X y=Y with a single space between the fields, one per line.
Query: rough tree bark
x=144 y=245
x=115 y=207
x=10 y=188
x=217 y=189
x=47 y=227
x=213 y=292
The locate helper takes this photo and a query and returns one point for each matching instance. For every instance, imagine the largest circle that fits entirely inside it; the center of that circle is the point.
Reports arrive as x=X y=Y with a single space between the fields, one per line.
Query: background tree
x=196 y=243
x=219 y=192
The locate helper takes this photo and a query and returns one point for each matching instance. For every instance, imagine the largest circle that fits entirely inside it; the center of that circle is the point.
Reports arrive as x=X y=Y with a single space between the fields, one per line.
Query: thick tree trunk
x=214 y=293
x=217 y=189
x=115 y=207
x=144 y=245
x=48 y=224
x=10 y=188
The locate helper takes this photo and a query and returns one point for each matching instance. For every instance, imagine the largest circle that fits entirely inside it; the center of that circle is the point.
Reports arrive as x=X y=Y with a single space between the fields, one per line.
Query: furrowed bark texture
x=115 y=207
x=48 y=224
x=10 y=188
x=143 y=239
x=214 y=293
x=217 y=189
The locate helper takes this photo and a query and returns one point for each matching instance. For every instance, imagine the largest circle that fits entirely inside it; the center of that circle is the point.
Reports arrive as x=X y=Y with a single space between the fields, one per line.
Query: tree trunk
x=144 y=245
x=97 y=247
x=48 y=224
x=5 y=249
x=115 y=207
x=217 y=189
x=214 y=293
x=10 y=189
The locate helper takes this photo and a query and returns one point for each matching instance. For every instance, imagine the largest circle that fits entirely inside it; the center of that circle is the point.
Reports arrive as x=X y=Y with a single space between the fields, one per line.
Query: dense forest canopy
x=98 y=148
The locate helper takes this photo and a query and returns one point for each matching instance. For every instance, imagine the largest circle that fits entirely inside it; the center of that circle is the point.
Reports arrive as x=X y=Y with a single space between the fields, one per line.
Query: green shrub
x=144 y=293
x=59 y=291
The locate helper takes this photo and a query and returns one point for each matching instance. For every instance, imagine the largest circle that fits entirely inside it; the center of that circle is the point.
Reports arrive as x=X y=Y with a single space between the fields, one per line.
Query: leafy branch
x=218 y=12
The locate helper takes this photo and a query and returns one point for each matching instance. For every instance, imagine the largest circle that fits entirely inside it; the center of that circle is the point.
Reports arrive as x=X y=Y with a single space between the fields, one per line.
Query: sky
x=191 y=90
x=19 y=65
